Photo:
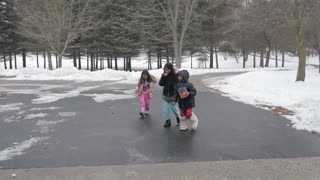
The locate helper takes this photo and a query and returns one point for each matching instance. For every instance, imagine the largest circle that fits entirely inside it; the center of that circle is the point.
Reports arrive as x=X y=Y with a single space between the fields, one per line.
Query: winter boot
x=184 y=124
x=167 y=124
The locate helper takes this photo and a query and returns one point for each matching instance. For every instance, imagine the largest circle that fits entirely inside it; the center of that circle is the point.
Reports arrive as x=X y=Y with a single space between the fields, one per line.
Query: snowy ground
x=277 y=88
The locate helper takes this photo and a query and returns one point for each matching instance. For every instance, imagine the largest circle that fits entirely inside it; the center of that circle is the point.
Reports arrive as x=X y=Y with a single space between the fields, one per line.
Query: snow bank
x=73 y=74
x=277 y=88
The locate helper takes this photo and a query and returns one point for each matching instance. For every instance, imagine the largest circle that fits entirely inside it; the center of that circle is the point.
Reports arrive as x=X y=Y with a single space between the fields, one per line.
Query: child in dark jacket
x=186 y=99
x=169 y=82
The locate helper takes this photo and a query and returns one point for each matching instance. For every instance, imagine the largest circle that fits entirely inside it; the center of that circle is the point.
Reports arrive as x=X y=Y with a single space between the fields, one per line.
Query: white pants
x=191 y=124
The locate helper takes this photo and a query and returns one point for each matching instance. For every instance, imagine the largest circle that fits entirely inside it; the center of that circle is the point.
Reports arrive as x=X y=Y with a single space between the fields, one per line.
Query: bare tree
x=55 y=23
x=313 y=30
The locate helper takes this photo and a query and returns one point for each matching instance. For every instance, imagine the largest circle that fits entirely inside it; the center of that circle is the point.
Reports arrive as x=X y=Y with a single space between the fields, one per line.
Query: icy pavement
x=92 y=128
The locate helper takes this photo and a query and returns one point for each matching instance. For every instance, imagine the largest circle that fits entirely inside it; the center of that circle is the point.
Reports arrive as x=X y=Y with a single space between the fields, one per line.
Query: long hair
x=170 y=66
x=149 y=79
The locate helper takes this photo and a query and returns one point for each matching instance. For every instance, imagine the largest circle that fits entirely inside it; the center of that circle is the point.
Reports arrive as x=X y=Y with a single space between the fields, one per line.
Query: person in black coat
x=168 y=81
x=186 y=98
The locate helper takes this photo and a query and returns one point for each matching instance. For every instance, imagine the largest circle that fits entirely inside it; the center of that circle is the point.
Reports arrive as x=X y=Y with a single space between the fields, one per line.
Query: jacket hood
x=184 y=74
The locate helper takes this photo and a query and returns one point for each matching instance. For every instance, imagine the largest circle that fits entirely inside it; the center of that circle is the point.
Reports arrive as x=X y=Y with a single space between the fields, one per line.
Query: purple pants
x=144 y=102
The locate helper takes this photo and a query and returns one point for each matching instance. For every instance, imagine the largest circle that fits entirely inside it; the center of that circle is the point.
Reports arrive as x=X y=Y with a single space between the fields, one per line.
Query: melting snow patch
x=11 y=119
x=45 y=126
x=67 y=114
x=32 y=116
x=19 y=148
x=130 y=91
x=111 y=97
x=51 y=97
x=10 y=107
x=44 y=109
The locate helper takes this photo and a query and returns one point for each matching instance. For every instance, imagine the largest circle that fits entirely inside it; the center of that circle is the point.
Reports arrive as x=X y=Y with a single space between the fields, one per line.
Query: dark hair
x=149 y=79
x=170 y=66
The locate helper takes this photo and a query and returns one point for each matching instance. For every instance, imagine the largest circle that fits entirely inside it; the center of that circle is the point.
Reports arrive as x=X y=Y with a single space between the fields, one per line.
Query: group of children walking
x=176 y=89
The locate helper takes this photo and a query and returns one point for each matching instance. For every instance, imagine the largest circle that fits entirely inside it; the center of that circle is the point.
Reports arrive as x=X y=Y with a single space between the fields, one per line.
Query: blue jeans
x=167 y=106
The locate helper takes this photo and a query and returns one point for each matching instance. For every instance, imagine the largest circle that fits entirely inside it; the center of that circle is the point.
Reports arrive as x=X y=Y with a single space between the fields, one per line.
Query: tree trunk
x=160 y=58
x=124 y=64
x=10 y=60
x=177 y=53
x=111 y=63
x=217 y=60
x=262 y=60
x=244 y=58
x=319 y=59
x=283 y=58
x=79 y=58
x=5 y=62
x=24 y=58
x=211 y=57
x=191 y=54
x=60 y=60
x=15 y=61
x=74 y=59
x=44 y=60
x=268 y=58
x=277 y=58
x=149 y=61
x=37 y=59
x=97 y=61
x=50 y=61
x=92 y=61
x=167 y=53
x=108 y=63
x=101 y=60
x=254 y=58
x=129 y=63
x=57 y=61
x=116 y=63
x=88 y=60
x=302 y=51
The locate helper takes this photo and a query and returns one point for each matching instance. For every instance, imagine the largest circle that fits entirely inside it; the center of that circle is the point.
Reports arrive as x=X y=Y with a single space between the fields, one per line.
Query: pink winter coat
x=139 y=87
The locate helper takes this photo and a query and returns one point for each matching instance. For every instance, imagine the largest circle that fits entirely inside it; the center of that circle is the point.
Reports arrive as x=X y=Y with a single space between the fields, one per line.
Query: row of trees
x=107 y=31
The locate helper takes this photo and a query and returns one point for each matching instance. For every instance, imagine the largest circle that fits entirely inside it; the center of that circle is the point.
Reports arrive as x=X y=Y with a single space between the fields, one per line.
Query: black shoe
x=178 y=121
x=167 y=124
x=142 y=116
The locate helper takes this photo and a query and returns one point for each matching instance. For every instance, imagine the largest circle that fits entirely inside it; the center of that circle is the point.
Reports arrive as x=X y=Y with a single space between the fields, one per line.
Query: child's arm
x=138 y=87
x=163 y=80
x=192 y=90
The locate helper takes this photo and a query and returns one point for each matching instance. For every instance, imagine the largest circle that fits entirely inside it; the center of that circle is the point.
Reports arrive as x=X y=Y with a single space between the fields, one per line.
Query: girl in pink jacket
x=144 y=89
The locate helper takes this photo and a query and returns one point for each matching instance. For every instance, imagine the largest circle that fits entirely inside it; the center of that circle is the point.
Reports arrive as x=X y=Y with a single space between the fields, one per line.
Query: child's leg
x=167 y=110
x=174 y=109
x=188 y=113
x=142 y=103
x=183 y=120
x=194 y=121
x=147 y=102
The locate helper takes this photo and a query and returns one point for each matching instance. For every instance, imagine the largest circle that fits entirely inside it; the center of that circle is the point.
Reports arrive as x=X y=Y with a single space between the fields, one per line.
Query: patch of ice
x=99 y=98
x=32 y=116
x=67 y=114
x=20 y=148
x=10 y=107
x=137 y=157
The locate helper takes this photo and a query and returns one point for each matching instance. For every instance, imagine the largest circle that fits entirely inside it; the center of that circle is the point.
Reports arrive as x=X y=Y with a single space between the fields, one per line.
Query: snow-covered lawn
x=277 y=88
